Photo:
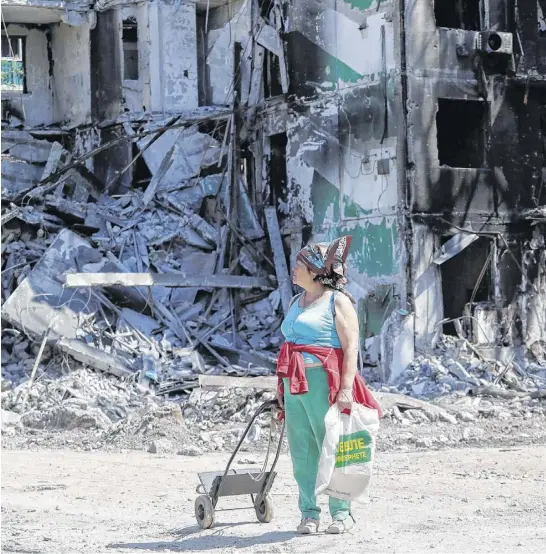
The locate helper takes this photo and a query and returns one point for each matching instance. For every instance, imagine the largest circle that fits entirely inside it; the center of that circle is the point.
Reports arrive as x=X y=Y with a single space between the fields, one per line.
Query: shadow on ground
x=213 y=539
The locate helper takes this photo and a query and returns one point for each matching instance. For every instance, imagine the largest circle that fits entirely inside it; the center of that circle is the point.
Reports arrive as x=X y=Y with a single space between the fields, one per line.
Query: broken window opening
x=130 y=49
x=277 y=168
x=461 y=133
x=460 y=275
x=272 y=75
x=13 y=64
x=458 y=14
x=216 y=129
x=141 y=174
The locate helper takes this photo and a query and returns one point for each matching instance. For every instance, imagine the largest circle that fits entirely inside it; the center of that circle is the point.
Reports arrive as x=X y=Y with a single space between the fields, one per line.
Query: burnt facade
x=475 y=105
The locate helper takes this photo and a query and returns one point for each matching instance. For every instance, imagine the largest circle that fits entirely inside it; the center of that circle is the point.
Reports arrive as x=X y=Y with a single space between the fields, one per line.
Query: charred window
x=458 y=14
x=461 y=129
x=130 y=49
x=272 y=75
x=466 y=278
x=277 y=168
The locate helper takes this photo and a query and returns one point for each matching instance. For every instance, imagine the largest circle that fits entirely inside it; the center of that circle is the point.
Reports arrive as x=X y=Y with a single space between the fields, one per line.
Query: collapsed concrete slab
x=93 y=357
x=34 y=151
x=18 y=177
x=191 y=150
x=41 y=304
x=41 y=301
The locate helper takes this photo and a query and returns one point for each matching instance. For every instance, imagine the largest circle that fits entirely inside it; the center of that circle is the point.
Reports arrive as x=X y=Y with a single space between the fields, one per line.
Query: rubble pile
x=160 y=430
x=215 y=309
x=208 y=408
x=457 y=394
x=80 y=399
x=455 y=366
x=119 y=296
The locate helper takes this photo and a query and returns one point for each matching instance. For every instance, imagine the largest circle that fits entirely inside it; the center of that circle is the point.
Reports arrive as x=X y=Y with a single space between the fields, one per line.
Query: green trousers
x=305 y=430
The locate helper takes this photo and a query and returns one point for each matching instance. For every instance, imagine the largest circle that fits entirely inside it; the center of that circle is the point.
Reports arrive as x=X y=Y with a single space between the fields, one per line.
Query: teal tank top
x=314 y=325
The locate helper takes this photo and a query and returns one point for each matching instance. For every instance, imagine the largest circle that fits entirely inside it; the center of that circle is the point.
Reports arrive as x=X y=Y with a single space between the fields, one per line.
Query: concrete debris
x=397 y=344
x=190 y=450
x=66 y=417
x=161 y=429
x=148 y=239
x=161 y=446
x=452 y=367
x=18 y=177
x=80 y=388
x=249 y=222
x=283 y=276
x=187 y=149
x=9 y=419
x=208 y=408
x=168 y=324
x=40 y=301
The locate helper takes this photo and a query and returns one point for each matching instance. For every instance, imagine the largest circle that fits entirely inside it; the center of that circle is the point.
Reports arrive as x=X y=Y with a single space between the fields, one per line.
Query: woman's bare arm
x=347 y=329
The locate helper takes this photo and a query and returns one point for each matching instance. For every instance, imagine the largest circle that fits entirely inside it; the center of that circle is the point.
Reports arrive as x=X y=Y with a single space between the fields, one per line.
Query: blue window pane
x=13 y=76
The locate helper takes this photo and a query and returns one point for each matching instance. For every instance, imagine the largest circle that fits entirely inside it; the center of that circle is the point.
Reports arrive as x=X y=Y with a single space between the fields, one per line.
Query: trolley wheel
x=204 y=512
x=264 y=510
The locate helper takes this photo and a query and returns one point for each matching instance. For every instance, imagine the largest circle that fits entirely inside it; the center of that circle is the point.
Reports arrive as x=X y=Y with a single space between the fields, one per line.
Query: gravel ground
x=456 y=500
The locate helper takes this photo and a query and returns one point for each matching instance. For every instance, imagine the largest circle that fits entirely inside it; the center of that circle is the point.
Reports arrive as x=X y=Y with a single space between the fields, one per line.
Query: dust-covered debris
x=454 y=365
x=194 y=209
x=58 y=218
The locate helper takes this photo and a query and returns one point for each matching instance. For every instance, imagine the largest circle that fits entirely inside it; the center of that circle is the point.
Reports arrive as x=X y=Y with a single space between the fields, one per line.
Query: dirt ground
x=458 y=500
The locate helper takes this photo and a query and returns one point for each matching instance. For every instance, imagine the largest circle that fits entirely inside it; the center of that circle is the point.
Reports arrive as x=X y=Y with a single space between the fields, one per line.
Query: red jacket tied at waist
x=291 y=366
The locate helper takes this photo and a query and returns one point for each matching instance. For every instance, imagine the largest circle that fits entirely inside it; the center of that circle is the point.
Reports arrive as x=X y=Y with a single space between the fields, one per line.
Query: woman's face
x=301 y=276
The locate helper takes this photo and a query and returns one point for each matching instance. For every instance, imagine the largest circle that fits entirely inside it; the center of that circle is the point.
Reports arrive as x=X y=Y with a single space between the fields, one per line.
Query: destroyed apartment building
x=164 y=161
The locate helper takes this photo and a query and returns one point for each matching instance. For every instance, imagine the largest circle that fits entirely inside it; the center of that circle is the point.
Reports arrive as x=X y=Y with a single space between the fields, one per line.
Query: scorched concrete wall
x=71 y=73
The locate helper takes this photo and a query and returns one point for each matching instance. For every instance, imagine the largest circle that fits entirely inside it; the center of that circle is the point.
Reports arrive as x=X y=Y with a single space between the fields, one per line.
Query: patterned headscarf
x=327 y=261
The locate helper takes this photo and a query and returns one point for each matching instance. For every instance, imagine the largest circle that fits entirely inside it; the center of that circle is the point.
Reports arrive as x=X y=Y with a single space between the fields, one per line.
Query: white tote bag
x=346 y=460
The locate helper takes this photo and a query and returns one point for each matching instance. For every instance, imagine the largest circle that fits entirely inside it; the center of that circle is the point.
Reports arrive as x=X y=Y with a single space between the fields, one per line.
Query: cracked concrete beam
x=82 y=280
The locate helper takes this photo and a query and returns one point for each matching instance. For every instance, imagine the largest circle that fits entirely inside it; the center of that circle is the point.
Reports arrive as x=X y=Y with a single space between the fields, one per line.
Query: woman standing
x=318 y=366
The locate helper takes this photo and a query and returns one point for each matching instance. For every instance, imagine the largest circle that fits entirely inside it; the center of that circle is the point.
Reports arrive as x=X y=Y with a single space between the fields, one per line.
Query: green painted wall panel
x=375 y=239
x=363 y=4
x=340 y=71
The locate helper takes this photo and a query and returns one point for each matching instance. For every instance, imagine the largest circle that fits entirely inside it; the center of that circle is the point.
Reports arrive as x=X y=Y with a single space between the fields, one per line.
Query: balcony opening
x=461 y=130
x=13 y=64
x=458 y=14
x=130 y=49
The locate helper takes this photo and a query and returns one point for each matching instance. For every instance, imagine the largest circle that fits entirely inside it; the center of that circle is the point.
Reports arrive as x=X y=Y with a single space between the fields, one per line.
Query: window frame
x=20 y=57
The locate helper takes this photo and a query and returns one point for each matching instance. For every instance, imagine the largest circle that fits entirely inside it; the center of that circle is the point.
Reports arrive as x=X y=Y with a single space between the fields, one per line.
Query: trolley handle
x=269 y=405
